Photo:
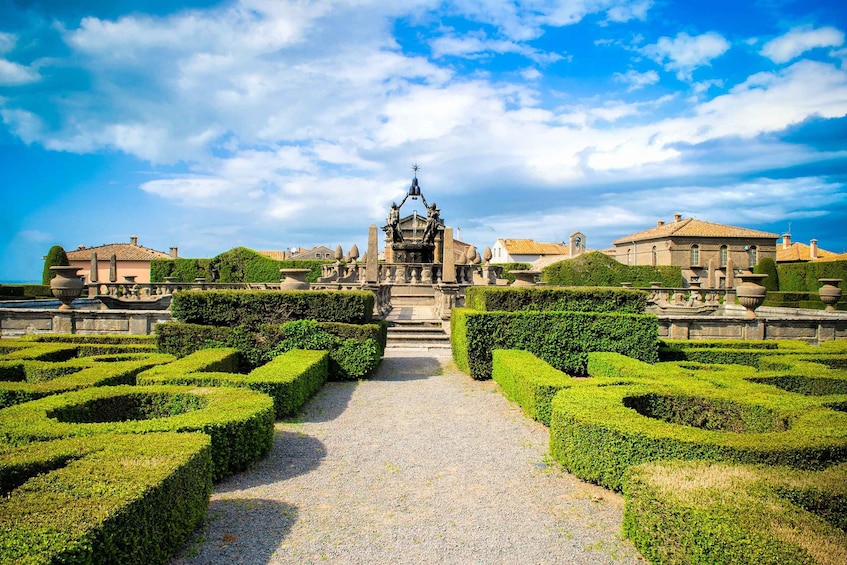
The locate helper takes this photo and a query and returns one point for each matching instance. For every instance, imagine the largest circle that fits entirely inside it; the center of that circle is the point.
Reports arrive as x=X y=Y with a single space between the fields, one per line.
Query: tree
x=55 y=257
x=767 y=266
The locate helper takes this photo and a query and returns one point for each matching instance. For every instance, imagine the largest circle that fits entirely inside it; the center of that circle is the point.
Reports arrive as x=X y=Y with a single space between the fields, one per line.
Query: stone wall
x=20 y=321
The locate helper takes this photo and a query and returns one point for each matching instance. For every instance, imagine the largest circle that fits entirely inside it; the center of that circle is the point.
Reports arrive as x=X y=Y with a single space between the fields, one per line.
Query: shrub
x=717 y=513
x=562 y=339
x=88 y=500
x=240 y=422
x=99 y=339
x=767 y=266
x=290 y=379
x=510 y=299
x=25 y=291
x=254 y=308
x=55 y=257
x=509 y=267
x=598 y=269
x=803 y=277
x=598 y=432
x=528 y=381
x=236 y=265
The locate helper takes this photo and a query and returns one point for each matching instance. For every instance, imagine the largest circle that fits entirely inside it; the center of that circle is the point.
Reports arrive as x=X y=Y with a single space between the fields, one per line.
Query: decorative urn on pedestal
x=830 y=293
x=525 y=278
x=66 y=285
x=295 y=279
x=750 y=293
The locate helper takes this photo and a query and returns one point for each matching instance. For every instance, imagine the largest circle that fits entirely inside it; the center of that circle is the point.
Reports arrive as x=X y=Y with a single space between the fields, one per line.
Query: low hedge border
x=42 y=352
x=808 y=375
x=290 y=379
x=562 y=339
x=528 y=381
x=114 y=339
x=239 y=421
x=560 y=299
x=88 y=500
x=597 y=432
x=14 y=392
x=252 y=308
x=222 y=360
x=716 y=513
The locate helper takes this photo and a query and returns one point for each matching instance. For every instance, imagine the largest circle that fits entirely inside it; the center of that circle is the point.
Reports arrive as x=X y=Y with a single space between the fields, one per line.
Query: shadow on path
x=407 y=368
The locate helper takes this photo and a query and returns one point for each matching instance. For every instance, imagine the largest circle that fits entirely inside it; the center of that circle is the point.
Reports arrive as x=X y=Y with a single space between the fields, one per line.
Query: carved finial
x=415 y=168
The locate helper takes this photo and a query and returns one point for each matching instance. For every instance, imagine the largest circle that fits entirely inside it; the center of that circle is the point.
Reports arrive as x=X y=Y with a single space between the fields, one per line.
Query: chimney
x=677 y=217
x=174 y=252
x=786 y=240
x=133 y=239
x=660 y=223
x=813 y=249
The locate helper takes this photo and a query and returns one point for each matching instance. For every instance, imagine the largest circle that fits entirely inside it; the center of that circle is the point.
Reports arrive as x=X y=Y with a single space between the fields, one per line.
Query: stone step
x=417 y=334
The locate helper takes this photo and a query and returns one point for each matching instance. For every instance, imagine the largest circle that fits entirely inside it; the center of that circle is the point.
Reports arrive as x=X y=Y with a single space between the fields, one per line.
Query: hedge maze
x=109 y=445
x=726 y=452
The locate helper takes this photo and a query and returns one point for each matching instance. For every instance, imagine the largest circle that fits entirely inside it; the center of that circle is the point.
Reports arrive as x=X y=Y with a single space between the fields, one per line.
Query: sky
x=293 y=123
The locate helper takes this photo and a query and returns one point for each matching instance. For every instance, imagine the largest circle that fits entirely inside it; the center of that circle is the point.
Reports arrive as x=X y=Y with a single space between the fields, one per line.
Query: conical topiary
x=55 y=257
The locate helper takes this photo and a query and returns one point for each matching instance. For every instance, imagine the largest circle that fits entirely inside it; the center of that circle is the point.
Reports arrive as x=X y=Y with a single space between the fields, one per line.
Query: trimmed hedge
x=598 y=269
x=24 y=291
x=715 y=513
x=528 y=381
x=251 y=308
x=598 y=432
x=109 y=499
x=509 y=267
x=43 y=352
x=290 y=379
x=803 y=277
x=509 y=299
x=55 y=257
x=732 y=352
x=562 y=339
x=240 y=422
x=224 y=360
x=99 y=339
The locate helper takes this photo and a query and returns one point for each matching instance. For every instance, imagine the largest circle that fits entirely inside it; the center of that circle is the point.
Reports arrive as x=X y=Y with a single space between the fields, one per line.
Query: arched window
x=695 y=255
x=724 y=255
x=655 y=256
x=754 y=256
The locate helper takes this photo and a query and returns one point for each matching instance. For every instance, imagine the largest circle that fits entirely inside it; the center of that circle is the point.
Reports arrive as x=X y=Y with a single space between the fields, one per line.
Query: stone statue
x=394 y=224
x=431 y=229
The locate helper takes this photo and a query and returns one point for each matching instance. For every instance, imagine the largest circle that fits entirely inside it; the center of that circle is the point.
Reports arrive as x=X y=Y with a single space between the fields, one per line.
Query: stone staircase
x=411 y=322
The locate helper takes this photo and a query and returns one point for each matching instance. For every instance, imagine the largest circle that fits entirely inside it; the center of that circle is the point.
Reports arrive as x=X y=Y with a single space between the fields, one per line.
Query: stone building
x=316 y=253
x=130 y=260
x=536 y=252
x=788 y=252
x=707 y=252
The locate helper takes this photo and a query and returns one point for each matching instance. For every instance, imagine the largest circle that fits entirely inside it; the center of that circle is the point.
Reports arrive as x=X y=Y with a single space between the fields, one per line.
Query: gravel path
x=420 y=464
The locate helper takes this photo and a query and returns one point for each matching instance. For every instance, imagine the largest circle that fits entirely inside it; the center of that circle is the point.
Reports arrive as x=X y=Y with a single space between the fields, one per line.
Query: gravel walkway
x=420 y=464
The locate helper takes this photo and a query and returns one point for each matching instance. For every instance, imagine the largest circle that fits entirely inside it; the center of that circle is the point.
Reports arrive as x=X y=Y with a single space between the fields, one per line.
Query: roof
x=278 y=255
x=802 y=252
x=531 y=247
x=310 y=253
x=122 y=251
x=689 y=227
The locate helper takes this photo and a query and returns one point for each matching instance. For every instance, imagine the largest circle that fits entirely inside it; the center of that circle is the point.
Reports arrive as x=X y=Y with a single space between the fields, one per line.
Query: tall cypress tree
x=56 y=256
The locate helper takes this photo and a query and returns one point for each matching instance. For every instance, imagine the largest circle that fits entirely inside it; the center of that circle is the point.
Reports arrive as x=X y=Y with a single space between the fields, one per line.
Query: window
x=655 y=256
x=317 y=255
x=754 y=256
x=724 y=255
x=695 y=255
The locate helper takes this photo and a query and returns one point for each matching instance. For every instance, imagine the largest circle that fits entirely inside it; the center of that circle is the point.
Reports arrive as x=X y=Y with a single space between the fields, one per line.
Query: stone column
x=448 y=274
x=372 y=263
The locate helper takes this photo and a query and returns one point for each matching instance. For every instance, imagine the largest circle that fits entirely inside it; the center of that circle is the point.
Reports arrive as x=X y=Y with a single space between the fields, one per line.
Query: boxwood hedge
x=251 y=308
x=290 y=379
x=239 y=421
x=717 y=513
x=597 y=432
x=562 y=339
x=563 y=299
x=528 y=381
x=108 y=499
x=114 y=339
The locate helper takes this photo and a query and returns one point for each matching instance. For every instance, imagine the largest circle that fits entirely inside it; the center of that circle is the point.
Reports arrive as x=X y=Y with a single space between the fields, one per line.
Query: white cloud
x=799 y=40
x=476 y=45
x=13 y=74
x=637 y=80
x=685 y=53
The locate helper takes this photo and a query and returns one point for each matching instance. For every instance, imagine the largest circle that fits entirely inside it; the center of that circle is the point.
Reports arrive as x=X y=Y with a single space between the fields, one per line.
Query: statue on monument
x=432 y=220
x=394 y=224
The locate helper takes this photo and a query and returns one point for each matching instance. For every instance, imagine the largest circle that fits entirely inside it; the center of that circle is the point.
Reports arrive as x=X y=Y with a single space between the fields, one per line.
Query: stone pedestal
x=448 y=273
x=372 y=262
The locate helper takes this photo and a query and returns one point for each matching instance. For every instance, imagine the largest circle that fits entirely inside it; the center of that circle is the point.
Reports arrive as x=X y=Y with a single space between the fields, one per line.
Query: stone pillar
x=448 y=274
x=63 y=323
x=372 y=263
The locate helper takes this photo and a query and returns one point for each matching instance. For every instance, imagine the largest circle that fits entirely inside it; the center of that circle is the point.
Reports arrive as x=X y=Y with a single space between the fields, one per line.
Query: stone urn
x=750 y=293
x=66 y=285
x=830 y=293
x=295 y=279
x=525 y=278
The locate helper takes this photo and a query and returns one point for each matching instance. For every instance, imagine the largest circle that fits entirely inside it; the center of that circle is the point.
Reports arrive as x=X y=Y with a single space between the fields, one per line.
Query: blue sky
x=209 y=125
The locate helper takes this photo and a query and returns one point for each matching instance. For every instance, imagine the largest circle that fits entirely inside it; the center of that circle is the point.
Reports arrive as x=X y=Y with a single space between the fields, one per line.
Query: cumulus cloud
x=637 y=80
x=476 y=45
x=684 y=53
x=799 y=40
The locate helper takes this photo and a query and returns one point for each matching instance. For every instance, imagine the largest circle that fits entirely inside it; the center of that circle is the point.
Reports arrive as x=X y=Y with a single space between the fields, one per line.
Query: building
x=130 y=260
x=706 y=251
x=317 y=253
x=788 y=252
x=536 y=252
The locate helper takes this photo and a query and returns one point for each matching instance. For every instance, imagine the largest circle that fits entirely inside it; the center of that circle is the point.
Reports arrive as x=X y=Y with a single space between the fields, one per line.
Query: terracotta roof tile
x=277 y=255
x=530 y=247
x=123 y=252
x=802 y=252
x=689 y=227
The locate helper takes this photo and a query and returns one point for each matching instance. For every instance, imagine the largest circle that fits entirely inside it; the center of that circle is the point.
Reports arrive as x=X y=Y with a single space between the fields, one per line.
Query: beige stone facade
x=131 y=260
x=707 y=252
